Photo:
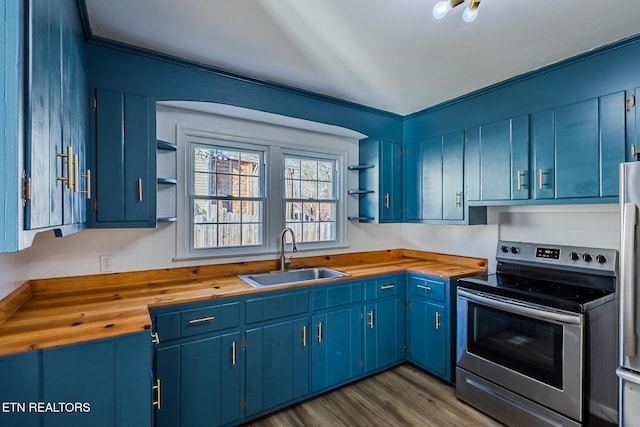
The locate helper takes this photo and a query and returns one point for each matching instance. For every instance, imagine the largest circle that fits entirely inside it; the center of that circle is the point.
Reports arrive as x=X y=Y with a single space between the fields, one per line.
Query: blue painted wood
x=21 y=383
x=72 y=373
x=276 y=306
x=133 y=378
x=412 y=172
x=577 y=150
x=495 y=154
x=390 y=182
x=277 y=364
x=543 y=141
x=428 y=337
x=613 y=147
x=336 y=295
x=135 y=71
x=388 y=286
x=167 y=370
x=432 y=178
x=125 y=161
x=520 y=158
x=12 y=63
x=452 y=176
x=337 y=347
x=384 y=333
x=472 y=163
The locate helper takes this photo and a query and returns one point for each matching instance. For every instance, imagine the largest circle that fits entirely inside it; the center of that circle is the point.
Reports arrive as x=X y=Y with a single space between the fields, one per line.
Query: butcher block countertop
x=46 y=313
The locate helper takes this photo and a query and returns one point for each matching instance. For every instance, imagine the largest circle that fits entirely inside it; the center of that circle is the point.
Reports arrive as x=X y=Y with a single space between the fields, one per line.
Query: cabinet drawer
x=384 y=287
x=337 y=295
x=430 y=288
x=275 y=307
x=209 y=319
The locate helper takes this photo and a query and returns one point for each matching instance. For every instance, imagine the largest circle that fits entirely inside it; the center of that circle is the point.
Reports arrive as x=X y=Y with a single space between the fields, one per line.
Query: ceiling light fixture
x=441 y=9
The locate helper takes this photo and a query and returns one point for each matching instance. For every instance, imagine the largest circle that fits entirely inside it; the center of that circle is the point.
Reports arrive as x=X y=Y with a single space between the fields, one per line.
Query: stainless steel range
x=537 y=341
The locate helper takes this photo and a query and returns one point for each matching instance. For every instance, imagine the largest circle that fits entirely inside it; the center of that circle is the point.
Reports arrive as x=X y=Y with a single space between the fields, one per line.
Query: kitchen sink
x=276 y=278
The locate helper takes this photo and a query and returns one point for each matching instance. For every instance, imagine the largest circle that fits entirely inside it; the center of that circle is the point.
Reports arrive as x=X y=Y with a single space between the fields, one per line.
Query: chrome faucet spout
x=283 y=260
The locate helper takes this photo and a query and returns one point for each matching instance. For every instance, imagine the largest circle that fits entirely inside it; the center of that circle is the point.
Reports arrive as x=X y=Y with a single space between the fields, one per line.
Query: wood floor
x=403 y=396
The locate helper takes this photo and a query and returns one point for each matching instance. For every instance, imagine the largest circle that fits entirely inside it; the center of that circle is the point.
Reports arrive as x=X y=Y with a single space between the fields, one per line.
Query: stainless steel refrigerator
x=629 y=294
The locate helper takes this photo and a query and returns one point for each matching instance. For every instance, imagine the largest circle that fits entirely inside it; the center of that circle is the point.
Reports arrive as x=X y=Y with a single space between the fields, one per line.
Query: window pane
x=309 y=189
x=327 y=231
x=205 y=236
x=292 y=168
x=325 y=171
x=251 y=212
x=310 y=212
x=327 y=212
x=249 y=186
x=293 y=212
x=309 y=169
x=325 y=190
x=291 y=189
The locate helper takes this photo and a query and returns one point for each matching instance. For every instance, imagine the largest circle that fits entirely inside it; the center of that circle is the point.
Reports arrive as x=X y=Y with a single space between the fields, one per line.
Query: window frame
x=337 y=200
x=273 y=172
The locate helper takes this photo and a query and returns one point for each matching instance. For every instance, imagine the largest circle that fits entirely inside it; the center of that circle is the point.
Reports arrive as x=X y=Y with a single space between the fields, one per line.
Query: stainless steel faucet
x=284 y=261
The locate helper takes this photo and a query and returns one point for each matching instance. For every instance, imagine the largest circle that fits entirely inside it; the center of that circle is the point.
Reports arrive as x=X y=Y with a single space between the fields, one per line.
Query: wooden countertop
x=47 y=313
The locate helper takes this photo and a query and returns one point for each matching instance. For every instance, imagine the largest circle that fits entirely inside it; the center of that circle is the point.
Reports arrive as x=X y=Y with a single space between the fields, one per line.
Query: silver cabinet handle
x=88 y=177
x=519 y=176
x=370 y=322
x=540 y=173
x=457 y=199
x=634 y=151
x=304 y=336
x=320 y=332
x=139 y=189
x=384 y=287
x=156 y=388
x=201 y=320
x=628 y=278
x=69 y=159
x=426 y=288
x=233 y=353
x=387 y=200
x=76 y=173
x=437 y=320
x=155 y=339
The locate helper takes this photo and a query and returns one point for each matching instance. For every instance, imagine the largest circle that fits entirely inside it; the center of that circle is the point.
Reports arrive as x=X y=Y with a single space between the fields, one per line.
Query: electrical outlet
x=106 y=263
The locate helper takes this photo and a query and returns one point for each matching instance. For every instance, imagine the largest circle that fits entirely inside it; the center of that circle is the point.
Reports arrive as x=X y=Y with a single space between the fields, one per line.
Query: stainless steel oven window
x=529 y=346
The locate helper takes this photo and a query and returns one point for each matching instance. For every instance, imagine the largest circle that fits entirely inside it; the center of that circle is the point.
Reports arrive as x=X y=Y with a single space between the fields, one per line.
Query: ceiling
x=387 y=54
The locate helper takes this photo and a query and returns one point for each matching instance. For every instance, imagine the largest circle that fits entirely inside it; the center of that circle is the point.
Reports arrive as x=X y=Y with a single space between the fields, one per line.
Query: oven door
x=531 y=350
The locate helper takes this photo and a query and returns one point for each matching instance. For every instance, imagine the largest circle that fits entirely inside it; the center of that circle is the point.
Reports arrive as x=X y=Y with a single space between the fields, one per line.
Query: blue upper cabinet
x=57 y=117
x=11 y=63
x=380 y=186
x=433 y=176
x=578 y=148
x=497 y=160
x=125 y=186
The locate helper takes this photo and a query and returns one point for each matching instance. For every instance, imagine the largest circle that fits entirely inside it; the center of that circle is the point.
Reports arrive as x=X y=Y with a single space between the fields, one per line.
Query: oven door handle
x=523 y=310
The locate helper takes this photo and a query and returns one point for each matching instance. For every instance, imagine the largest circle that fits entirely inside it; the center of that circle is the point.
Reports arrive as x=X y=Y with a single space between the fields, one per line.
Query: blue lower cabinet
x=428 y=337
x=277 y=365
x=99 y=383
x=337 y=345
x=384 y=332
x=199 y=382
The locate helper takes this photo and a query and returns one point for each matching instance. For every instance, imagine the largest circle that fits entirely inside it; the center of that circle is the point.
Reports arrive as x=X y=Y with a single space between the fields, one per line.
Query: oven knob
x=504 y=249
x=514 y=250
x=587 y=258
x=601 y=259
x=574 y=256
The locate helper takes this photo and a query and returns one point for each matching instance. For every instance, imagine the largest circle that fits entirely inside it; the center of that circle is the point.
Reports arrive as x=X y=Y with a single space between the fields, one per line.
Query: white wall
x=142 y=249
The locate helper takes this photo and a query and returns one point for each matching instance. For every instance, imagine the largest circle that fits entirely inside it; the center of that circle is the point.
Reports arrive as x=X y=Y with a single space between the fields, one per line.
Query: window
x=309 y=198
x=227 y=197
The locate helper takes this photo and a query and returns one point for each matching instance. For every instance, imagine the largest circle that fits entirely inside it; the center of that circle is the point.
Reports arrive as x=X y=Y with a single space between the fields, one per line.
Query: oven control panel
x=561 y=256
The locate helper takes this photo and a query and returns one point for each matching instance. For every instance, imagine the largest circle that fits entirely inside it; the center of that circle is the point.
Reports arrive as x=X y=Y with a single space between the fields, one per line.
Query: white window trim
x=277 y=140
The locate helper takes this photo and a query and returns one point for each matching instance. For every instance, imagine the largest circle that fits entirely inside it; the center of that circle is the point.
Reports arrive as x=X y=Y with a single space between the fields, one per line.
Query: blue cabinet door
x=613 y=147
x=56 y=115
x=125 y=161
x=384 y=333
x=577 y=150
x=390 y=182
x=542 y=134
x=472 y=164
x=412 y=172
x=452 y=176
x=21 y=383
x=336 y=338
x=432 y=176
x=495 y=155
x=199 y=382
x=277 y=364
x=428 y=339
x=520 y=174
x=11 y=71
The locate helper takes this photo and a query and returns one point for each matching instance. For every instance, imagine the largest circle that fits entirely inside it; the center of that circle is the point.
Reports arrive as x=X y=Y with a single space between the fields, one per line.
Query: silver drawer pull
x=383 y=287
x=426 y=288
x=201 y=320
